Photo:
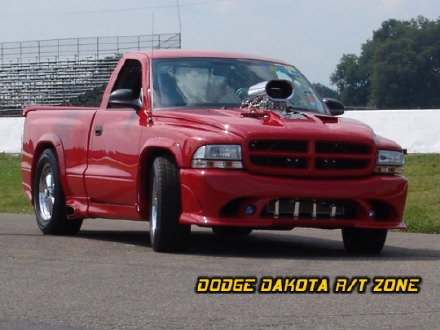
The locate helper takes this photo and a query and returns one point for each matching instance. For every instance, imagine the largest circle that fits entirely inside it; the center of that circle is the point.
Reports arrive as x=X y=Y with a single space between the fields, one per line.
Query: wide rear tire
x=49 y=200
x=166 y=233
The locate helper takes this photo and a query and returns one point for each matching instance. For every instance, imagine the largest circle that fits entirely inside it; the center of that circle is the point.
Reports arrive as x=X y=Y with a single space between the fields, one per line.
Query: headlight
x=389 y=162
x=227 y=156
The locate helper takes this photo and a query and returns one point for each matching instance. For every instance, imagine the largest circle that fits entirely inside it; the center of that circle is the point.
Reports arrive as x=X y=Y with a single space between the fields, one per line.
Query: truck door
x=112 y=172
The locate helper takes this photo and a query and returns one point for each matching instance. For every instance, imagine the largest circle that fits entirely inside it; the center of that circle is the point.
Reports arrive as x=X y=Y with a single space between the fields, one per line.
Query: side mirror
x=124 y=98
x=336 y=108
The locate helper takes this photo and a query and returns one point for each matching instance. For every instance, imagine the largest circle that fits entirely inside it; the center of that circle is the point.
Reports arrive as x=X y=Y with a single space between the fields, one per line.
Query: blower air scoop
x=275 y=90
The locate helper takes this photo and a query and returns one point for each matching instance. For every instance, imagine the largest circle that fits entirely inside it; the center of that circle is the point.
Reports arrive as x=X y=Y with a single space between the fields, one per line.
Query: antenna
x=178 y=16
x=152 y=34
x=150 y=90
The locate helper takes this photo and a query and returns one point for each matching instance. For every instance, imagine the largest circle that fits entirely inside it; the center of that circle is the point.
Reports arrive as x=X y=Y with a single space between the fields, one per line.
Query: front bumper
x=221 y=197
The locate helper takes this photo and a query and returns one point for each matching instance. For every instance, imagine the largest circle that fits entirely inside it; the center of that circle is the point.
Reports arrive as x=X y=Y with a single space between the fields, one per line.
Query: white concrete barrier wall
x=418 y=131
x=11 y=132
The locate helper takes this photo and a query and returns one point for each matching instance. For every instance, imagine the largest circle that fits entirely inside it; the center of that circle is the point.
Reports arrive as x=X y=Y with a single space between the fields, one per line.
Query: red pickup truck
x=218 y=140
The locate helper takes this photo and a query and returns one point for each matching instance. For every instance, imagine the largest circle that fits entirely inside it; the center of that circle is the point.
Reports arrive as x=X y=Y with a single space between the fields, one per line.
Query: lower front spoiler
x=268 y=223
x=221 y=197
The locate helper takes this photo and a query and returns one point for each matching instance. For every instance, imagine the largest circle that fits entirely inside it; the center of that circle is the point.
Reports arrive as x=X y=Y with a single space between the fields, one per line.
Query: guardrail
x=98 y=47
x=65 y=71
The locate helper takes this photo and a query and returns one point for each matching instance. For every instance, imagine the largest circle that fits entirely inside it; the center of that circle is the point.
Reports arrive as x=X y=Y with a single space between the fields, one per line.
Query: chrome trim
x=277 y=209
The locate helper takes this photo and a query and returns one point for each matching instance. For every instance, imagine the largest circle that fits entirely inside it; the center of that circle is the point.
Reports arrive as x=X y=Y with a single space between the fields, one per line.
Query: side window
x=130 y=77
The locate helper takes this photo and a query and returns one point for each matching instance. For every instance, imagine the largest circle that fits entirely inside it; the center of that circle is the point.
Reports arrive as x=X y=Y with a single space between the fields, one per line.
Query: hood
x=246 y=124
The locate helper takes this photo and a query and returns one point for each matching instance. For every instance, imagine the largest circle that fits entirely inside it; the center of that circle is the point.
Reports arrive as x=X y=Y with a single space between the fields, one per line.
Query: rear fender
x=52 y=141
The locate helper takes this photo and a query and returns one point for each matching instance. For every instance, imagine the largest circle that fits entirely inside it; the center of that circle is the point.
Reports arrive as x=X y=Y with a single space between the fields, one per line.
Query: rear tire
x=231 y=231
x=49 y=201
x=166 y=233
x=364 y=241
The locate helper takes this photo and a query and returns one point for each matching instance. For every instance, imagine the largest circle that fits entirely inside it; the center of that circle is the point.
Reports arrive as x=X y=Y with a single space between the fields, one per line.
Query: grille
x=341 y=148
x=340 y=164
x=284 y=162
x=309 y=158
x=310 y=209
x=267 y=145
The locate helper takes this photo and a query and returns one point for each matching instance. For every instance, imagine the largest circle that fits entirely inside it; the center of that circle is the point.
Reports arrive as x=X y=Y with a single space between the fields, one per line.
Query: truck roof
x=176 y=53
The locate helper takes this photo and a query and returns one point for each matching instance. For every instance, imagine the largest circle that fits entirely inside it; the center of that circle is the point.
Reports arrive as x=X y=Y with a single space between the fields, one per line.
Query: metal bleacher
x=65 y=71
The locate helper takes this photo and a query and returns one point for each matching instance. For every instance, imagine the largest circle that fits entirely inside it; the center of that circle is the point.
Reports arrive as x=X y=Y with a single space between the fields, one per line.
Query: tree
x=398 y=68
x=351 y=81
x=325 y=91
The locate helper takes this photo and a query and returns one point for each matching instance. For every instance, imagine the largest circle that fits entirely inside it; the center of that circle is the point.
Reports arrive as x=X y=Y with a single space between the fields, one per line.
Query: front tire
x=364 y=241
x=166 y=233
x=49 y=201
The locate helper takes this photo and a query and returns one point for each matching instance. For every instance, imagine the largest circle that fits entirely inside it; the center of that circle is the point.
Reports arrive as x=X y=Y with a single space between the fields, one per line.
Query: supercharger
x=269 y=95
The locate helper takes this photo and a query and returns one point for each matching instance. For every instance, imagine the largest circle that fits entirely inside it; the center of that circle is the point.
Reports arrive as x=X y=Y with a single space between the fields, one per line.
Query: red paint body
x=106 y=175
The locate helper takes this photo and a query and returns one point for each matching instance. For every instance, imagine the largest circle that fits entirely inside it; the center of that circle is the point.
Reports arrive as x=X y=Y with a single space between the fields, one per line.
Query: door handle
x=98 y=130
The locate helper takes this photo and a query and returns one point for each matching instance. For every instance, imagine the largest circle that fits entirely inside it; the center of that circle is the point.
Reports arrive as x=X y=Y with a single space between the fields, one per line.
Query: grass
x=422 y=212
x=12 y=196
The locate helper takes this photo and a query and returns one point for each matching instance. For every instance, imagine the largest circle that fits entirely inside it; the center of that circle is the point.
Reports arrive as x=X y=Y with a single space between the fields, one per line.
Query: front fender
x=153 y=147
x=157 y=144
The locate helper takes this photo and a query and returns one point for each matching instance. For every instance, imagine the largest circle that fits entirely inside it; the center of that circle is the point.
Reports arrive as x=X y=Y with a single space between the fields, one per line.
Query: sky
x=310 y=34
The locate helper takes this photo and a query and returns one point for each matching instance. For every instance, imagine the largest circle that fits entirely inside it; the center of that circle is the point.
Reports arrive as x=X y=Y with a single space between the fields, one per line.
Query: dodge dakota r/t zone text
x=220 y=140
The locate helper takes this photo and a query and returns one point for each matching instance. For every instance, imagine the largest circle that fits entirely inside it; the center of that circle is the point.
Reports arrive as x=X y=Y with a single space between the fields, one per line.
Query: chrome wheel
x=49 y=200
x=153 y=215
x=46 y=193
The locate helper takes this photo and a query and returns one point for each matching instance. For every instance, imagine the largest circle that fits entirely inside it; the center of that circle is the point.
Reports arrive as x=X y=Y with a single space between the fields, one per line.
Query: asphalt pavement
x=108 y=277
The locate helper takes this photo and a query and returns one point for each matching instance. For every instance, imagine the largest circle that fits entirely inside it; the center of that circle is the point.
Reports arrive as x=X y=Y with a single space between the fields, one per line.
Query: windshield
x=223 y=83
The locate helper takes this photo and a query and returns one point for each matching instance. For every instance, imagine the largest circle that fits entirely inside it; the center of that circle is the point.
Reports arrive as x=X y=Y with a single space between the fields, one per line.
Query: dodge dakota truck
x=220 y=140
